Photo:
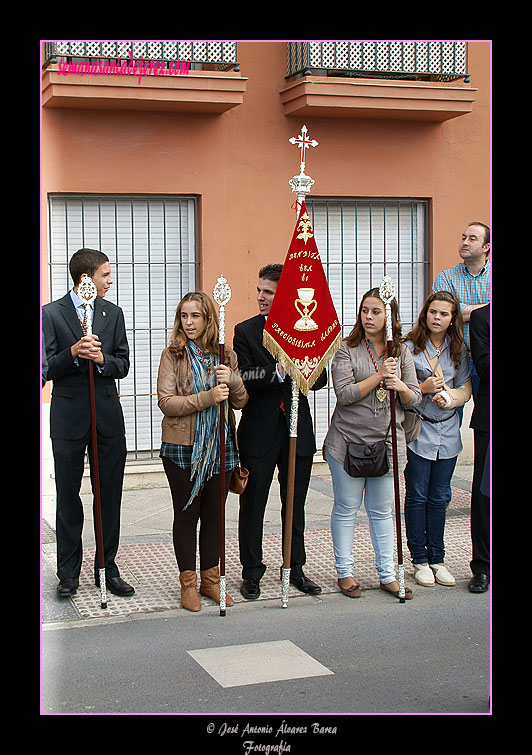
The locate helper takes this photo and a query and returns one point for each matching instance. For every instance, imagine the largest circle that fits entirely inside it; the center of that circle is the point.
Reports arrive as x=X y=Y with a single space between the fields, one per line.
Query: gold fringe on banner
x=292 y=369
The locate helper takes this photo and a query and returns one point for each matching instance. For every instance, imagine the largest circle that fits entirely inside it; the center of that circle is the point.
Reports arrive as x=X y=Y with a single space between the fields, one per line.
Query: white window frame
x=151 y=242
x=361 y=240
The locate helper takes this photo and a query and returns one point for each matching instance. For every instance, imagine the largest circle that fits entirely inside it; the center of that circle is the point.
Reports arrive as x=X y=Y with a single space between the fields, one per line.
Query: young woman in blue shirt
x=442 y=367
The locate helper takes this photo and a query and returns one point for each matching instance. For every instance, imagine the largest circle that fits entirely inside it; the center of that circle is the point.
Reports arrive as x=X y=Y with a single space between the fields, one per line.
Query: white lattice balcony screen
x=195 y=52
x=436 y=58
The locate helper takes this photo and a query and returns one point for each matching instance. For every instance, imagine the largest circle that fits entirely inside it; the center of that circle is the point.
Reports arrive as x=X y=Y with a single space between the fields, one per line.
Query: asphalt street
x=428 y=655
x=322 y=659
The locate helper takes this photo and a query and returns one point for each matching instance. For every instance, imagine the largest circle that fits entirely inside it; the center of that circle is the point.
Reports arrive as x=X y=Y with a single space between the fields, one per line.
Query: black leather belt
x=437 y=421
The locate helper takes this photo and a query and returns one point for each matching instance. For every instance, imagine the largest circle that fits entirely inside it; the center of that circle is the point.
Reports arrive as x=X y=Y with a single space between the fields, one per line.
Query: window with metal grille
x=359 y=242
x=151 y=245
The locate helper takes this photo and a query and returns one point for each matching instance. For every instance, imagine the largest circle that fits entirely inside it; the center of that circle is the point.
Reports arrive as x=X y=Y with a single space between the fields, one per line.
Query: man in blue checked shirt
x=469 y=280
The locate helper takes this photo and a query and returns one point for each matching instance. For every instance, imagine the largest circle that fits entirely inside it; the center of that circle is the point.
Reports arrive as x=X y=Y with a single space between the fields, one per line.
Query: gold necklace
x=380 y=392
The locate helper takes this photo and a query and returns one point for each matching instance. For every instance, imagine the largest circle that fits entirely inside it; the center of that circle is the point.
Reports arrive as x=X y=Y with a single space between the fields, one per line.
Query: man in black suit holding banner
x=263 y=435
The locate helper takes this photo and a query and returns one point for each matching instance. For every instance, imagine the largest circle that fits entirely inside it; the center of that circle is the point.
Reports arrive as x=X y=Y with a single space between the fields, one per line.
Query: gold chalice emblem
x=306 y=300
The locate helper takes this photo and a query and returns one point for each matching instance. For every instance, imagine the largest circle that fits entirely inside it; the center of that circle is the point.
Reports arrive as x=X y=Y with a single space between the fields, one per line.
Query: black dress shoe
x=67 y=587
x=116 y=585
x=479 y=583
x=250 y=589
x=305 y=584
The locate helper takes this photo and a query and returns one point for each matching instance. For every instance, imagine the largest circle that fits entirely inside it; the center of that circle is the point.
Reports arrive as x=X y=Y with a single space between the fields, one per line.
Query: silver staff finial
x=302 y=184
x=221 y=291
x=303 y=143
x=387 y=294
x=387 y=289
x=87 y=290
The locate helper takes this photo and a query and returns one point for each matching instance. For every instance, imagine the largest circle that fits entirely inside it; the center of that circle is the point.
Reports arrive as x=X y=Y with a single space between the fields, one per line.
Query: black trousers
x=69 y=459
x=205 y=508
x=254 y=499
x=480 y=509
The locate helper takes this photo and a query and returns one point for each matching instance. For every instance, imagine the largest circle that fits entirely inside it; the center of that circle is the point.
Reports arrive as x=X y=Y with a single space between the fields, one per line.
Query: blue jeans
x=378 y=494
x=428 y=494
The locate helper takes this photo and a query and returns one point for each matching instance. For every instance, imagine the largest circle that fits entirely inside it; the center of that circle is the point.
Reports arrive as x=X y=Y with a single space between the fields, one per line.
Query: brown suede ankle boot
x=210 y=585
x=189 y=593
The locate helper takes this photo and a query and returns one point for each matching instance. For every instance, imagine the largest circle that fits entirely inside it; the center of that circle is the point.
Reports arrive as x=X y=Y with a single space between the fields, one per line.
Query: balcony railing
x=433 y=61
x=222 y=56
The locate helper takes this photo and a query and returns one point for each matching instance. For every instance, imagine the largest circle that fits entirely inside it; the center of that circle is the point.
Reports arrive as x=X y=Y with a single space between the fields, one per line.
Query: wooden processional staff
x=87 y=292
x=222 y=293
x=387 y=294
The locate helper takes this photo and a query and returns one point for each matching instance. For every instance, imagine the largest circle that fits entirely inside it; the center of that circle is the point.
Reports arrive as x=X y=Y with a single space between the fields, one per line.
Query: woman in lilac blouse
x=363 y=376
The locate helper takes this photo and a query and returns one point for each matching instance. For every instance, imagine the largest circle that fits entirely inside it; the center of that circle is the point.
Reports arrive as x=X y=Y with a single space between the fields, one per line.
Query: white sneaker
x=442 y=575
x=423 y=575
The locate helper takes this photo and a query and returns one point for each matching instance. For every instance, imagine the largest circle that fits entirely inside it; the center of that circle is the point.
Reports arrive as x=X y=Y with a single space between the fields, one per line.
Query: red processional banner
x=302 y=330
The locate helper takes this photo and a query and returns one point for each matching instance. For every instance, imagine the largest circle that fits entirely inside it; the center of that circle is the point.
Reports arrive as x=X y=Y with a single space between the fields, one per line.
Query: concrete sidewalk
x=146 y=558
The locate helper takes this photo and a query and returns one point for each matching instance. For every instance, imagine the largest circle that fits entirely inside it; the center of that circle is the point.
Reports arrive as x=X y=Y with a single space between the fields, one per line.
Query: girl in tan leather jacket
x=191 y=384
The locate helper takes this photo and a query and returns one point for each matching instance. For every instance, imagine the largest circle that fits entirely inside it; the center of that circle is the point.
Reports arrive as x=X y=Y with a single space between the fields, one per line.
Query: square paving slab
x=257 y=663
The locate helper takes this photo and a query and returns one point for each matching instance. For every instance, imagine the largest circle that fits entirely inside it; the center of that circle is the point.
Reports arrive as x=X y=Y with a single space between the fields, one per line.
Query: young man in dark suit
x=263 y=434
x=69 y=355
x=479 y=330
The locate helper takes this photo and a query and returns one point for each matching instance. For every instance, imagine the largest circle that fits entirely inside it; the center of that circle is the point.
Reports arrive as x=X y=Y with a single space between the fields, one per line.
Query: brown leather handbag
x=239 y=478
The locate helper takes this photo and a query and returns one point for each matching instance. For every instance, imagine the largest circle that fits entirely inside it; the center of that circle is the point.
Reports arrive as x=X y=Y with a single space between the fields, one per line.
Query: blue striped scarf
x=206 y=448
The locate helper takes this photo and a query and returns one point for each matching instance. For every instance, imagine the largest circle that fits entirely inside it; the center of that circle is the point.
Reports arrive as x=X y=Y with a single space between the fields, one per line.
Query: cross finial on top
x=303 y=143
